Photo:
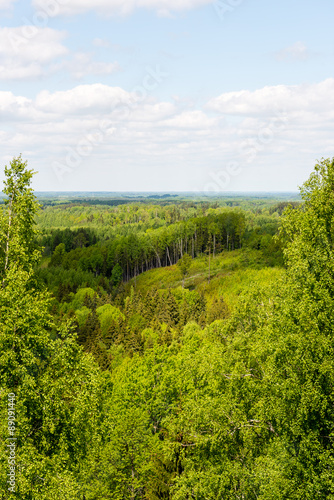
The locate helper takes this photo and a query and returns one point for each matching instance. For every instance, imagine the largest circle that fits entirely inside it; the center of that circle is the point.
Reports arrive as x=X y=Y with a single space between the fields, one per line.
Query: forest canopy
x=178 y=351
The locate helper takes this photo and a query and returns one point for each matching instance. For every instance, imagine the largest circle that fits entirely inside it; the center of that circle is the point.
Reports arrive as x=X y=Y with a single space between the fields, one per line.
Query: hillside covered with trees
x=165 y=349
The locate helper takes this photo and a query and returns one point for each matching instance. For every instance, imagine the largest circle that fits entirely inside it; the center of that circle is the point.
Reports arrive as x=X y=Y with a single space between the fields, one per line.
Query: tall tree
x=17 y=219
x=56 y=420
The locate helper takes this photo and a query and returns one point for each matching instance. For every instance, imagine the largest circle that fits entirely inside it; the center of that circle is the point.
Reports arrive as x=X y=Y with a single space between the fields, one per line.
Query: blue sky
x=156 y=95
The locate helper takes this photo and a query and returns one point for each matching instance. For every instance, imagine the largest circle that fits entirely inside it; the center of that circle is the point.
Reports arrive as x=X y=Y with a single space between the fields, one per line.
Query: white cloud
x=17 y=110
x=117 y=7
x=268 y=101
x=28 y=52
x=191 y=120
x=20 y=72
x=145 y=112
x=32 y=44
x=296 y=52
x=25 y=50
x=9 y=101
x=120 y=130
x=96 y=99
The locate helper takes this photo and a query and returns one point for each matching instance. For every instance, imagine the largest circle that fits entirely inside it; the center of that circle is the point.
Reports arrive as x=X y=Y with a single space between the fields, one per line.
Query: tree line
x=137 y=253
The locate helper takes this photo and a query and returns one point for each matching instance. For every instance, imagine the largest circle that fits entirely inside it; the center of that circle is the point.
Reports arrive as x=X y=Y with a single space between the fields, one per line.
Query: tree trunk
x=167 y=252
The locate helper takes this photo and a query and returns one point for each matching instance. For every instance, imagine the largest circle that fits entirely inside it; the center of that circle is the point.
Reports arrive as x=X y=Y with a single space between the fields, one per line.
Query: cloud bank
x=92 y=127
x=294 y=99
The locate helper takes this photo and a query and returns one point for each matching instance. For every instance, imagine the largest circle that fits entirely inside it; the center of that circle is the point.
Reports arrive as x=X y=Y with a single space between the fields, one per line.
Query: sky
x=153 y=95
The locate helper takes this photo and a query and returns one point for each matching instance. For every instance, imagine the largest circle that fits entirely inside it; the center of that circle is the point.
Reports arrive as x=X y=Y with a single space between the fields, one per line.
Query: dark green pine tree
x=90 y=332
x=151 y=303
x=173 y=310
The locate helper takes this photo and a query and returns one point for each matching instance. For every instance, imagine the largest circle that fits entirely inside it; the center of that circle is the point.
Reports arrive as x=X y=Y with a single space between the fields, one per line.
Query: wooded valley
x=168 y=347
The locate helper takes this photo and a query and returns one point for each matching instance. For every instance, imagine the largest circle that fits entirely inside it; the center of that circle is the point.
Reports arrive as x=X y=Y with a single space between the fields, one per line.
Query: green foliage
x=222 y=389
x=244 y=407
x=184 y=265
x=116 y=275
x=79 y=298
x=17 y=231
x=128 y=251
x=82 y=315
x=58 y=255
x=107 y=315
x=56 y=386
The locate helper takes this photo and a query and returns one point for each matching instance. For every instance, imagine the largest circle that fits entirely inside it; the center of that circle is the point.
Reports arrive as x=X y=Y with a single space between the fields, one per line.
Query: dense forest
x=167 y=349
